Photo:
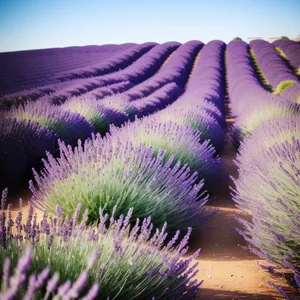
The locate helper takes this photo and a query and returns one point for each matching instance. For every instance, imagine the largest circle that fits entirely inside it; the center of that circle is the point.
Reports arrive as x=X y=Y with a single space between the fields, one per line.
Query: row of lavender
x=94 y=77
x=28 y=69
x=276 y=70
x=78 y=117
x=267 y=130
x=152 y=166
x=131 y=77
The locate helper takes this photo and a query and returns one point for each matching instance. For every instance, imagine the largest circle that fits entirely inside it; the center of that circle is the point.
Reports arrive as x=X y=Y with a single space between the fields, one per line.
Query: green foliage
x=260 y=74
x=283 y=85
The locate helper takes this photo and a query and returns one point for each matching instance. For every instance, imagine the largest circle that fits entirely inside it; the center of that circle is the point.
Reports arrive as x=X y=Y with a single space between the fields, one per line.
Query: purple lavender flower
x=108 y=172
x=144 y=267
x=267 y=188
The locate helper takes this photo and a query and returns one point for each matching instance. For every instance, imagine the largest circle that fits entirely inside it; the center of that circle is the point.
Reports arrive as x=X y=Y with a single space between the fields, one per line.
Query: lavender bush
x=22 y=145
x=126 y=262
x=92 y=110
x=177 y=140
x=105 y=173
x=291 y=50
x=271 y=64
x=246 y=123
x=40 y=286
x=292 y=93
x=268 y=188
x=66 y=125
x=199 y=119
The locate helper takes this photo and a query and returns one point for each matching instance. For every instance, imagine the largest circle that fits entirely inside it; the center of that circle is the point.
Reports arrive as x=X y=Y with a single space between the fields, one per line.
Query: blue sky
x=33 y=24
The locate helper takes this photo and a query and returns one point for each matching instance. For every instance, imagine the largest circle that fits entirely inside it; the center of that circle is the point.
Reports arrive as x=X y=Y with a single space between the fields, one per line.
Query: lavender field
x=127 y=157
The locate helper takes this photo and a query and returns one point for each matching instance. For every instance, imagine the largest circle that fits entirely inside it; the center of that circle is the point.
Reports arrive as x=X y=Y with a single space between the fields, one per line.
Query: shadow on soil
x=211 y=294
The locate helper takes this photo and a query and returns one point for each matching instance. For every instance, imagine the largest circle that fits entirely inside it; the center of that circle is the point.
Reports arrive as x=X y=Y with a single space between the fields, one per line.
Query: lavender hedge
x=176 y=69
x=268 y=188
x=244 y=86
x=247 y=122
x=271 y=64
x=92 y=110
x=178 y=140
x=33 y=68
x=119 y=80
x=158 y=100
x=22 y=145
x=208 y=77
x=291 y=50
x=292 y=92
x=124 y=261
x=116 y=63
x=198 y=119
x=109 y=172
x=66 y=125
x=138 y=63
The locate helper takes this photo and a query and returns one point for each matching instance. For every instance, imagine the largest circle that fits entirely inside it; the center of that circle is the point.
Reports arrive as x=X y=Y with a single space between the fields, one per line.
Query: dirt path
x=229 y=271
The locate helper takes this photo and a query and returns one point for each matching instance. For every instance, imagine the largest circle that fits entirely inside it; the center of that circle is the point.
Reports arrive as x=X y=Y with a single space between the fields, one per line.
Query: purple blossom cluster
x=273 y=67
x=111 y=171
x=292 y=51
x=178 y=140
x=268 y=188
x=22 y=145
x=11 y=285
x=124 y=261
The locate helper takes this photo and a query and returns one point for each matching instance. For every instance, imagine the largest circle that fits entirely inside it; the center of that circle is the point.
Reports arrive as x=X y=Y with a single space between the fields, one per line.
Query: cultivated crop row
x=150 y=166
x=268 y=161
x=127 y=145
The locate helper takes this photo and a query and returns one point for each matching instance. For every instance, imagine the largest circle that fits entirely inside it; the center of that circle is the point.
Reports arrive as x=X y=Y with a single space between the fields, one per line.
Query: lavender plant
x=179 y=141
x=246 y=123
x=40 y=286
x=108 y=172
x=92 y=110
x=275 y=131
x=199 y=119
x=66 y=125
x=292 y=93
x=268 y=188
x=22 y=145
x=126 y=262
